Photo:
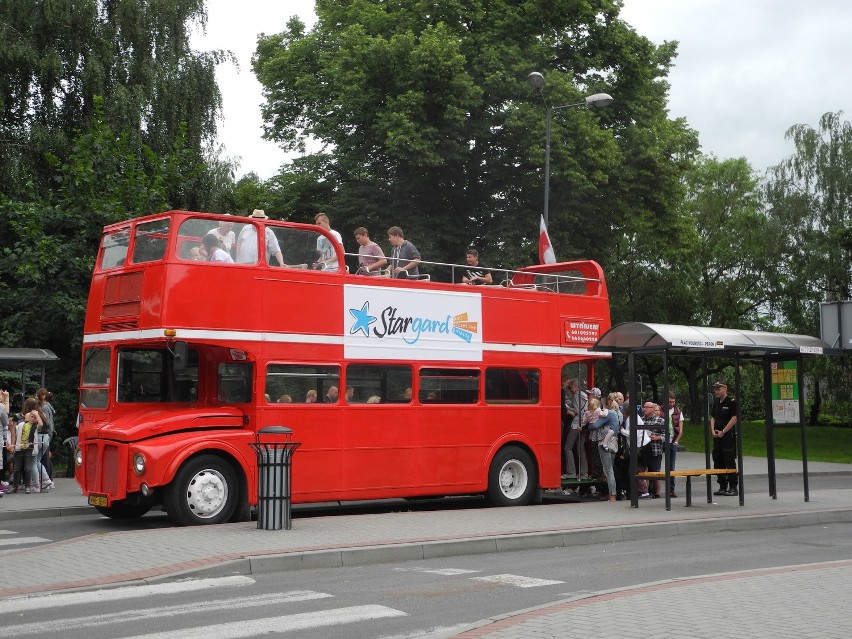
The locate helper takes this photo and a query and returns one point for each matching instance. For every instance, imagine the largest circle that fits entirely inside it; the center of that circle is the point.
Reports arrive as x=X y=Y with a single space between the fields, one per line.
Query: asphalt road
x=407 y=599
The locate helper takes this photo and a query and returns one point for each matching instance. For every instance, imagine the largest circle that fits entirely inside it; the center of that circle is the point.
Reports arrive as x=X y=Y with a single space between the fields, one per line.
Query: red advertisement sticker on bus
x=582 y=331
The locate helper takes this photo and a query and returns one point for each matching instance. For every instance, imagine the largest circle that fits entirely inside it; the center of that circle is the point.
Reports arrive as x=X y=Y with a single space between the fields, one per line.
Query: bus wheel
x=123 y=510
x=204 y=491
x=512 y=478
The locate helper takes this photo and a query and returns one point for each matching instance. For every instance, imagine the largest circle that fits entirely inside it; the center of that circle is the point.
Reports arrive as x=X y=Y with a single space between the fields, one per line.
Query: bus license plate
x=98 y=500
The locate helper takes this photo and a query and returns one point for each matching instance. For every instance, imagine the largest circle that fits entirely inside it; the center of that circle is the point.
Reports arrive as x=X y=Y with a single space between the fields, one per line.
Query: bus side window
x=235 y=382
x=385 y=381
x=296 y=380
x=449 y=386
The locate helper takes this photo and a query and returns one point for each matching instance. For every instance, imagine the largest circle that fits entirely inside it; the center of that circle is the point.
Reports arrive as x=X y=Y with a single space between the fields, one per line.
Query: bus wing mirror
x=180 y=356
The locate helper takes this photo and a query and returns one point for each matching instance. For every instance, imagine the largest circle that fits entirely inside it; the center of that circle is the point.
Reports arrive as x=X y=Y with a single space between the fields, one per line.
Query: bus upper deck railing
x=180 y=234
x=569 y=281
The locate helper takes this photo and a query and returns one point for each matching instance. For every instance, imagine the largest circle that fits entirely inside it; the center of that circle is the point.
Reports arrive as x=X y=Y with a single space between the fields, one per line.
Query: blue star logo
x=363 y=319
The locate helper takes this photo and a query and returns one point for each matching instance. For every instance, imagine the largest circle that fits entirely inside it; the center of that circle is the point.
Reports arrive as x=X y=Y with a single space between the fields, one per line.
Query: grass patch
x=824 y=443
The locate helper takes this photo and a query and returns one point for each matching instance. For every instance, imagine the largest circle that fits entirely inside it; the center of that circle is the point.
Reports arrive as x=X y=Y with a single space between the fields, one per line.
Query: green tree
x=427 y=121
x=810 y=195
x=57 y=57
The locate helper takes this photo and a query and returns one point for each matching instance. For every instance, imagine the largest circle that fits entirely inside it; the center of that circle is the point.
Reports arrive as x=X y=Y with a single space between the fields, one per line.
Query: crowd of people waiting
x=595 y=431
x=26 y=460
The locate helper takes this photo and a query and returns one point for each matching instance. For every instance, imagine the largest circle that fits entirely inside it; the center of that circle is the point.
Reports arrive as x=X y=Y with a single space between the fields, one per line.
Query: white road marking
x=518 y=581
x=285 y=623
x=18 y=541
x=441 y=571
x=94 y=620
x=37 y=602
x=7 y=532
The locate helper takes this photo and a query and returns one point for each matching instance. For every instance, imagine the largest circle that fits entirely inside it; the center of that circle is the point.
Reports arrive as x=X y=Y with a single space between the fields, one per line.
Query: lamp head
x=599 y=100
x=536 y=80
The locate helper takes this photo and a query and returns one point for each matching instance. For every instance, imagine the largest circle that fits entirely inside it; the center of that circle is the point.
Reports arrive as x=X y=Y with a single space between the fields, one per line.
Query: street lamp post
x=595 y=101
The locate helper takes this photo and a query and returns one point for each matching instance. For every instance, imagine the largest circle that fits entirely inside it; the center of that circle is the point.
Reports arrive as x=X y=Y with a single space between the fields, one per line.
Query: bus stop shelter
x=24 y=359
x=768 y=349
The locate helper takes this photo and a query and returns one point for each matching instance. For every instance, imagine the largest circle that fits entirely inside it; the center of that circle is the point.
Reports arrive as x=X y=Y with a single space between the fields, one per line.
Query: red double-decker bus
x=421 y=388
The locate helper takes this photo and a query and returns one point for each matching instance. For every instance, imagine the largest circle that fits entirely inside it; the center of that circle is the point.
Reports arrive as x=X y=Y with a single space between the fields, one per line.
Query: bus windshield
x=146 y=375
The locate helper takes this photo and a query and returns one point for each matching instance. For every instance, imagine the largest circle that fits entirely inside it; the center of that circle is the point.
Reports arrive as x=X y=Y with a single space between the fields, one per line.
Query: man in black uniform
x=723 y=419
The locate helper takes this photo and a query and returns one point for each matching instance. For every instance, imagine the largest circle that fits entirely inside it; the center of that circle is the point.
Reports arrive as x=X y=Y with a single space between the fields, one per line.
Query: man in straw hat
x=247 y=242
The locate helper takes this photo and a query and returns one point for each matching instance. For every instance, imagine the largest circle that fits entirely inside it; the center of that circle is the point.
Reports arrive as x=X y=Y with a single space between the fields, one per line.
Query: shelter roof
x=641 y=337
x=20 y=357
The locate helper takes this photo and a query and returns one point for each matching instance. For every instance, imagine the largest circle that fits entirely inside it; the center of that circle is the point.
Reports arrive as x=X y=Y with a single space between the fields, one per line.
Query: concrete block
x=381 y=554
x=589 y=536
x=655 y=530
x=454 y=548
x=531 y=541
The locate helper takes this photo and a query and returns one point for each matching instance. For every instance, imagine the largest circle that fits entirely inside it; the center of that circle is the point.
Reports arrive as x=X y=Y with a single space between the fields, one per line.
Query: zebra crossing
x=10 y=541
x=95 y=612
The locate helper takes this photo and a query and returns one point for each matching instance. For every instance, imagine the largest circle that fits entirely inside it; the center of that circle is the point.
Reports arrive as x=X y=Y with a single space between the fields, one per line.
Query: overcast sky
x=745 y=71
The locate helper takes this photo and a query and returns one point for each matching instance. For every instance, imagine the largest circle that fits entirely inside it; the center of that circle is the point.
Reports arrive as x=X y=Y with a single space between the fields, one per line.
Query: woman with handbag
x=604 y=431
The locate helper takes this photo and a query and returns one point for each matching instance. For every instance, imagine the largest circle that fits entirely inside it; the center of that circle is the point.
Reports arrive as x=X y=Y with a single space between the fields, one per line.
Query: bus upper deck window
x=150 y=241
x=114 y=247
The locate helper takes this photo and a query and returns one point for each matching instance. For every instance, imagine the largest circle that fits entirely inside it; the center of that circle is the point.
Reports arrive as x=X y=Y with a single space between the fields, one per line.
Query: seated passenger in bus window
x=350 y=394
x=311 y=397
x=331 y=395
x=285 y=399
x=406 y=394
x=214 y=252
x=195 y=254
x=374 y=399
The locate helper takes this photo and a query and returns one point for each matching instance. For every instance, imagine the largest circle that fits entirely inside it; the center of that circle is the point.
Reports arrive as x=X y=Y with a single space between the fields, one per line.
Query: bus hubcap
x=207 y=493
x=513 y=479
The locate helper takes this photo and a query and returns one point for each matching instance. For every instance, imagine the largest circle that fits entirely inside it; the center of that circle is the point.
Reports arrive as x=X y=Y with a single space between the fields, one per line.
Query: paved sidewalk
x=792 y=601
x=148 y=556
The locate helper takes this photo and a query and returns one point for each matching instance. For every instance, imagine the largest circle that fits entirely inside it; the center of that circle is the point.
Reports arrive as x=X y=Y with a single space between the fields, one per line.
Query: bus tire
x=512 y=478
x=121 y=510
x=204 y=491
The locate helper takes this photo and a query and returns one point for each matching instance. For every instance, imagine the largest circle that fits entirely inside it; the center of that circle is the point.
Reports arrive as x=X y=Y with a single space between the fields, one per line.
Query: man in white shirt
x=225 y=234
x=247 y=242
x=326 y=249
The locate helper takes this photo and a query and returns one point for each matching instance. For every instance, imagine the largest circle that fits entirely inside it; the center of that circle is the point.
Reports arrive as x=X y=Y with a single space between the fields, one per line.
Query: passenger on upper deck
x=311 y=397
x=331 y=395
x=371 y=258
x=214 y=252
x=405 y=257
x=225 y=234
x=475 y=274
x=327 y=253
x=247 y=242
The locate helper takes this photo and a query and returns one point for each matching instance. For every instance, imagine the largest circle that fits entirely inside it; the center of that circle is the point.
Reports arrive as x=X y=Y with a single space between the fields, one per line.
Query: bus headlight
x=78 y=457
x=139 y=463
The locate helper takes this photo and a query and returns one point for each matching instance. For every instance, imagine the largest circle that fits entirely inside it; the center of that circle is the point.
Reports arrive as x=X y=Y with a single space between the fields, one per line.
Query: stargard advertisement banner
x=393 y=323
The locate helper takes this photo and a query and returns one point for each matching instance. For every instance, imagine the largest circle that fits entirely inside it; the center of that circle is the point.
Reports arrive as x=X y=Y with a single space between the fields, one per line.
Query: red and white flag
x=545 y=249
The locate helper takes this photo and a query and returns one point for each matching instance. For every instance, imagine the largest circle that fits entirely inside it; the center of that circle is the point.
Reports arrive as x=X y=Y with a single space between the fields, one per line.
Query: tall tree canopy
x=105 y=113
x=428 y=122
x=56 y=57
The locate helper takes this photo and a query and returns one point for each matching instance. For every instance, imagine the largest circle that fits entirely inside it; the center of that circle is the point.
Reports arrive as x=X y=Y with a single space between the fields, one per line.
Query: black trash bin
x=274 y=448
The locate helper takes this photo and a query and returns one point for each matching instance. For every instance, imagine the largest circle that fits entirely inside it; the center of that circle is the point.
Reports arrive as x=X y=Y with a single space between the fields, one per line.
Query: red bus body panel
x=348 y=451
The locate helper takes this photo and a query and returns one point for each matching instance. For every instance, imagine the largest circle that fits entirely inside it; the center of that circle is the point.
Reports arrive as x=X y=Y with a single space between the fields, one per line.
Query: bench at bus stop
x=689 y=474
